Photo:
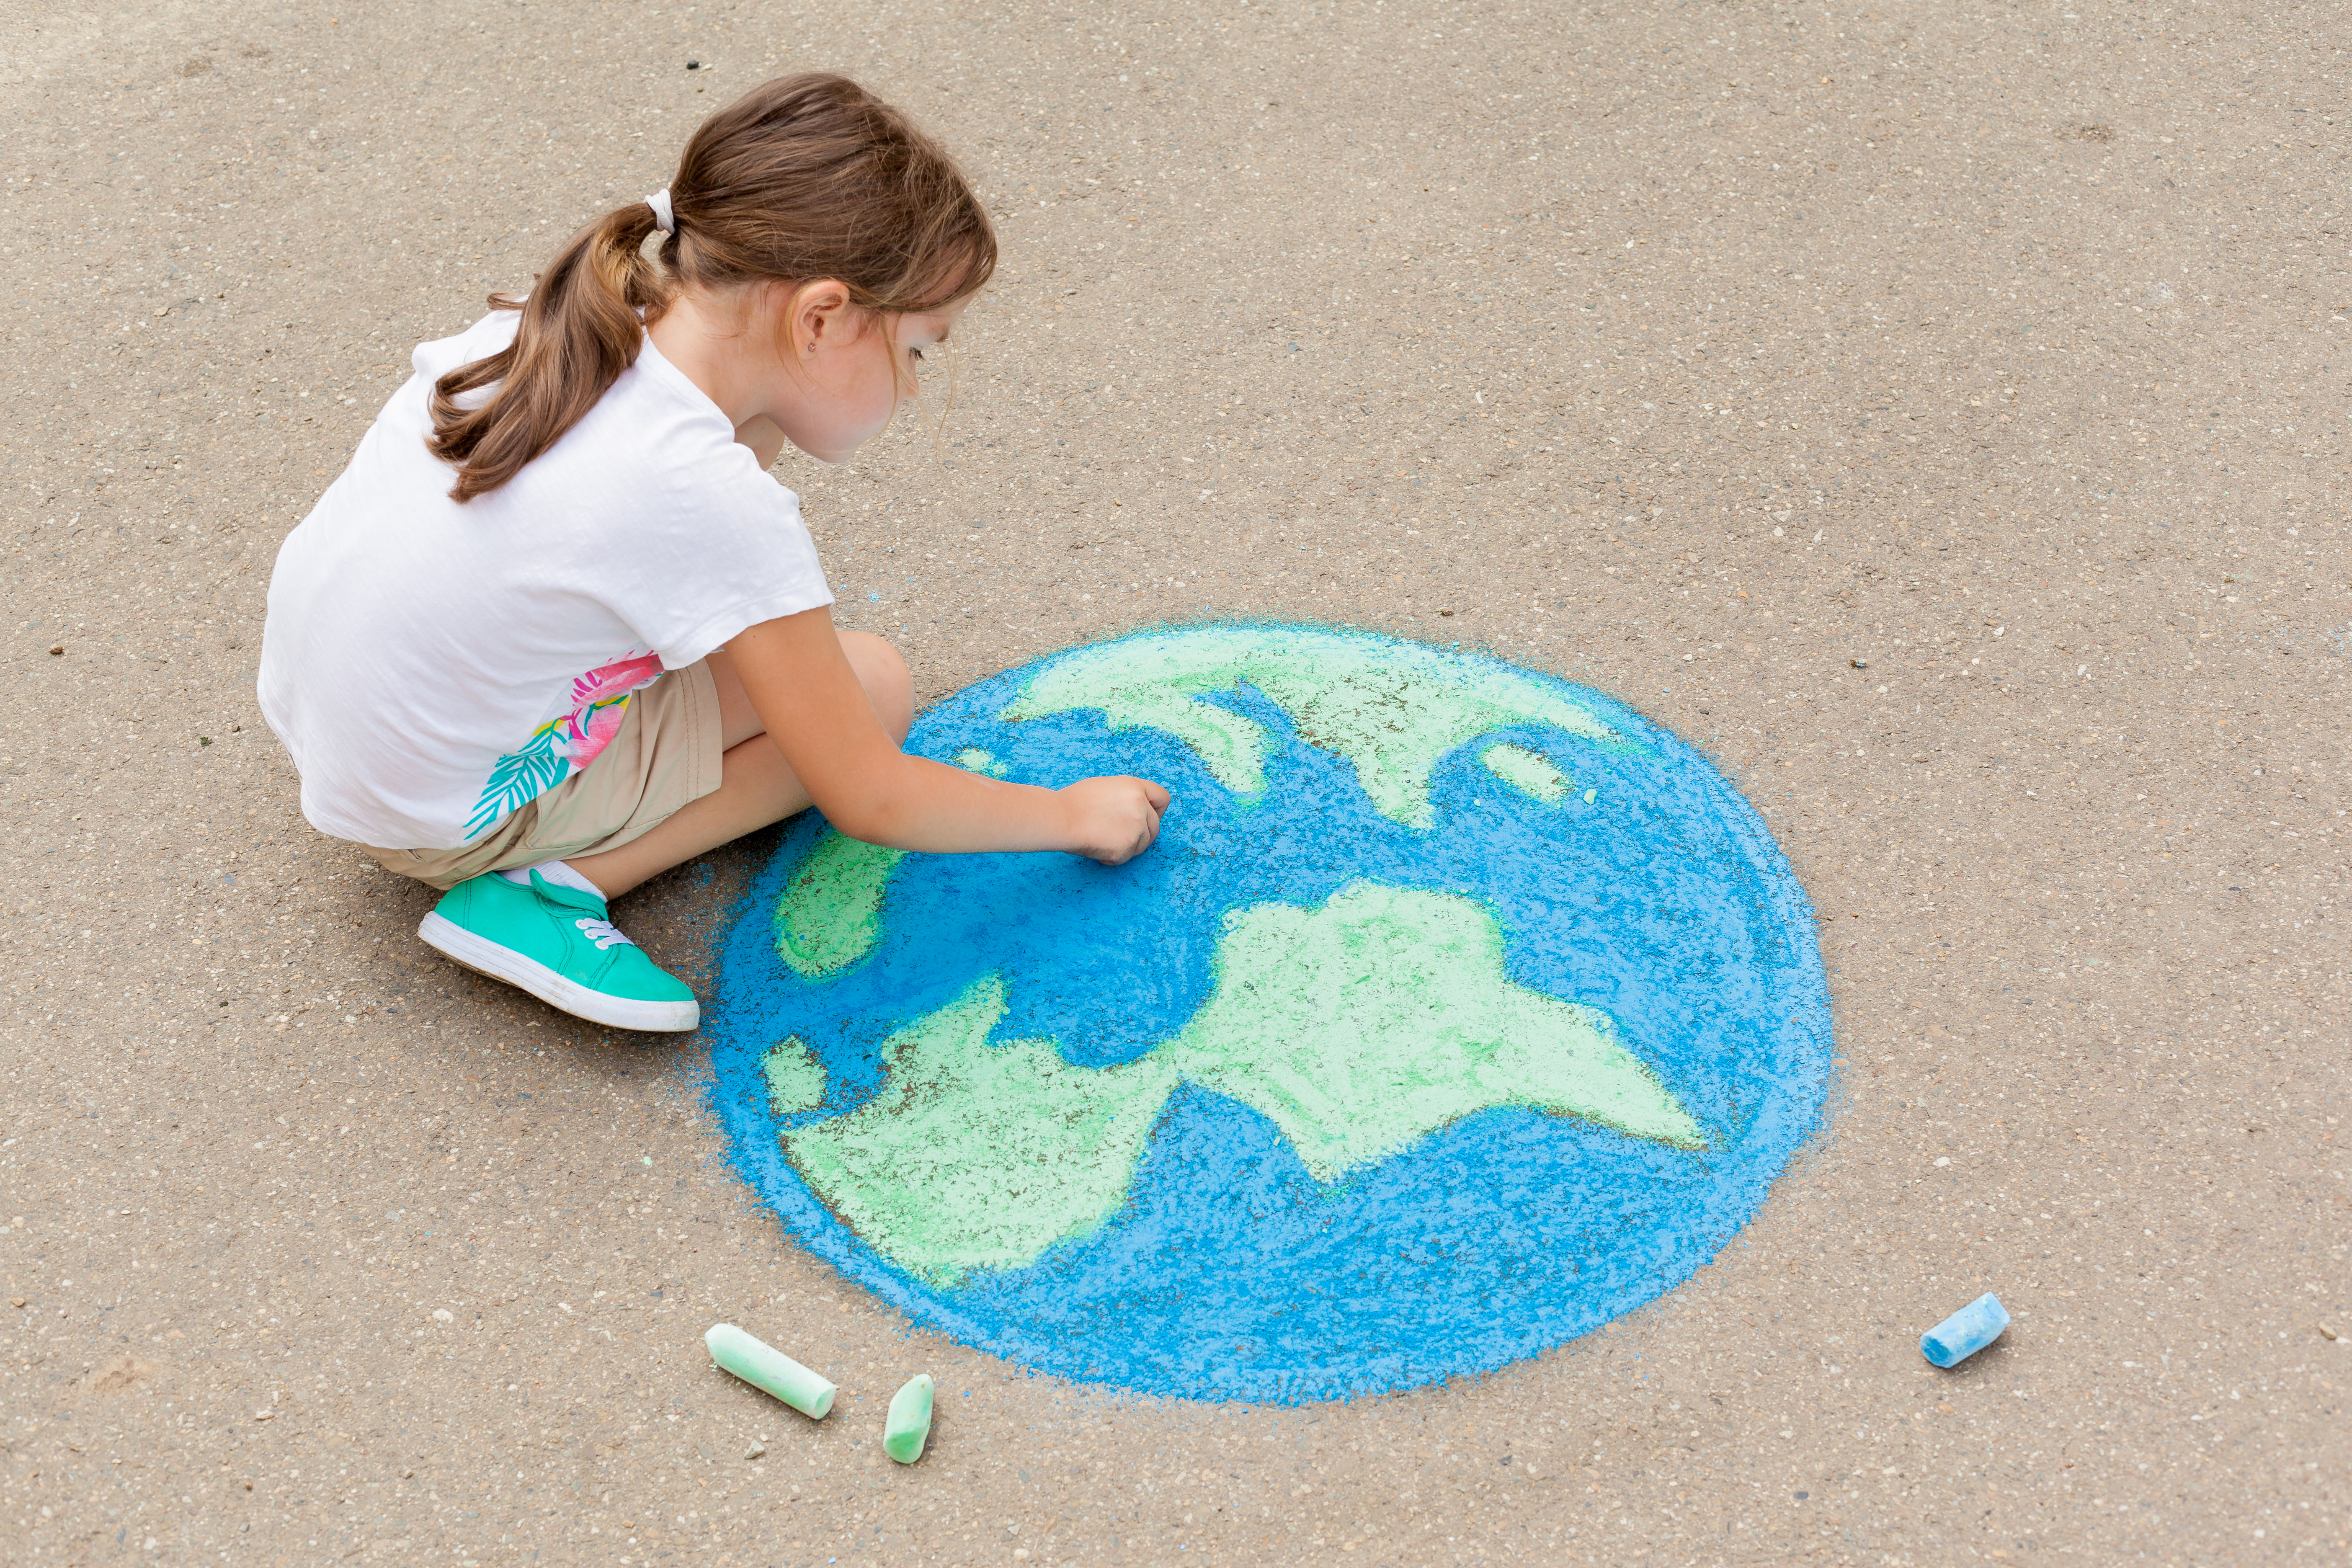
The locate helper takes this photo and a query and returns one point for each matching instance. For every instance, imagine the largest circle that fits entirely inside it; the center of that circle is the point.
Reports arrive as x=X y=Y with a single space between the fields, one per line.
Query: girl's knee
x=888 y=684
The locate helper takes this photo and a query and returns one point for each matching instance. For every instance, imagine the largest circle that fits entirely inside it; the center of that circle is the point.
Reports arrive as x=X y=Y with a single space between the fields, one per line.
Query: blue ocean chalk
x=1965 y=1331
x=1220 y=1266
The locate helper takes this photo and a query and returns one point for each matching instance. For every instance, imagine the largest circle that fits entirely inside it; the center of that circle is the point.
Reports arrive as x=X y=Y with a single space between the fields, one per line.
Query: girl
x=555 y=630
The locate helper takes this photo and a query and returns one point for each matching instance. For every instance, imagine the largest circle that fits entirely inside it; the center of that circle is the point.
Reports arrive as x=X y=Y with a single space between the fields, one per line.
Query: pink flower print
x=600 y=699
x=614 y=679
x=566 y=743
x=586 y=734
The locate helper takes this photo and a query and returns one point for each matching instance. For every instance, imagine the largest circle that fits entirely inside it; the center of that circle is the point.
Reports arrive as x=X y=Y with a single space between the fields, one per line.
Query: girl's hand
x=1113 y=820
x=817 y=714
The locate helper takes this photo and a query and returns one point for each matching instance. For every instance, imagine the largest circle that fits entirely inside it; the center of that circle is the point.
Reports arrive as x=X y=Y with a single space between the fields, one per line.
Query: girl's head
x=807 y=191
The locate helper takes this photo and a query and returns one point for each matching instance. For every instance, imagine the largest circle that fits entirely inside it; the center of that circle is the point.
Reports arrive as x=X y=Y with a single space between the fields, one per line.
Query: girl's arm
x=815 y=711
x=764 y=437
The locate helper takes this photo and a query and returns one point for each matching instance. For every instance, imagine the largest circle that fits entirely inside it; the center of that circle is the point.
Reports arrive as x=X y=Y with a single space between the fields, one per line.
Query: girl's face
x=843 y=375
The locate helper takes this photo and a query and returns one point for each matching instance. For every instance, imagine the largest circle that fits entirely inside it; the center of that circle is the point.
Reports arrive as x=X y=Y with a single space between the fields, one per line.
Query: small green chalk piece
x=769 y=1370
x=908 y=1425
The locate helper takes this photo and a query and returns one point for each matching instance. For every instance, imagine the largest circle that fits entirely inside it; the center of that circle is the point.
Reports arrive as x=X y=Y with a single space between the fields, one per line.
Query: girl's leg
x=758 y=787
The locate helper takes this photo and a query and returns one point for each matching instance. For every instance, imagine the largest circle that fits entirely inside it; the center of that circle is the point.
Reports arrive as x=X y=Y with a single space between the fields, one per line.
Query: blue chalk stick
x=1965 y=1331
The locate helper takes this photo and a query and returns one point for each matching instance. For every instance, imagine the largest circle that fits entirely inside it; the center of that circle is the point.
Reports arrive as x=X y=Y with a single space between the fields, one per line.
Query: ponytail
x=580 y=330
x=802 y=178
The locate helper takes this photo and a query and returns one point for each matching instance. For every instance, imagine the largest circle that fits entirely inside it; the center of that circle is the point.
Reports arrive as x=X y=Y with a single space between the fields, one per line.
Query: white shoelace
x=603 y=933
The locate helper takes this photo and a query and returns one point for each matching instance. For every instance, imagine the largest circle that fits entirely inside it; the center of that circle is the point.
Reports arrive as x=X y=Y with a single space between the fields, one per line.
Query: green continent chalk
x=908 y=1425
x=1392 y=711
x=1529 y=771
x=770 y=1370
x=1357 y=1028
x=922 y=1171
x=831 y=909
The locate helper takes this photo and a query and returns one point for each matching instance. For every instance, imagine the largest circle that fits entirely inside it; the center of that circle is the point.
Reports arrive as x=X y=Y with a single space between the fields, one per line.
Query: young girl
x=555 y=630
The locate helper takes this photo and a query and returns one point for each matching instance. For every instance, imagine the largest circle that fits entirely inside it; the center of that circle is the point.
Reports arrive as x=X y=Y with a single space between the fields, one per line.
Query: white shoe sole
x=486 y=957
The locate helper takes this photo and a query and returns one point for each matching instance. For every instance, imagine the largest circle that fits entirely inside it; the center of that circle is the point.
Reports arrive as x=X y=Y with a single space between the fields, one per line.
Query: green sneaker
x=559 y=944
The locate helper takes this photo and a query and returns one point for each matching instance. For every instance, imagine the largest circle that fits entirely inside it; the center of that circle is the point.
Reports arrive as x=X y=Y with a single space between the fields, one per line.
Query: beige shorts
x=671 y=749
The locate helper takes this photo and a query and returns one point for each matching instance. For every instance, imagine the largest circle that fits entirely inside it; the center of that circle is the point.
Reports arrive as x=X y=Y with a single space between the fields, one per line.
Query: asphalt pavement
x=1936 y=415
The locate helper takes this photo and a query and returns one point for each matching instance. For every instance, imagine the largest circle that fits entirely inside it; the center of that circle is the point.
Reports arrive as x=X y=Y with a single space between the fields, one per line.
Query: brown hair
x=802 y=178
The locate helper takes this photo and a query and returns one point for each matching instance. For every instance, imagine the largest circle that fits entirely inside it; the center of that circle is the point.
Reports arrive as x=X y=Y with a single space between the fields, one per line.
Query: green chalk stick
x=769 y=1370
x=908 y=1425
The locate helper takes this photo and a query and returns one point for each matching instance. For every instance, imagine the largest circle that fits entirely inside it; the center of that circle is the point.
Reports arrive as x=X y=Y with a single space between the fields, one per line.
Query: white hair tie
x=665 y=221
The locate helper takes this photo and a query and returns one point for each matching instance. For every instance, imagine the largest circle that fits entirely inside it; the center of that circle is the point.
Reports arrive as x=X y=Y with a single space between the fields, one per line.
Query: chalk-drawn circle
x=1457 y=1011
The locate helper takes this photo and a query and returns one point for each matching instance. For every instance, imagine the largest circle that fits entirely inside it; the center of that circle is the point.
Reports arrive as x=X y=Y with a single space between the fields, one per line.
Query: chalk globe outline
x=1717 y=1191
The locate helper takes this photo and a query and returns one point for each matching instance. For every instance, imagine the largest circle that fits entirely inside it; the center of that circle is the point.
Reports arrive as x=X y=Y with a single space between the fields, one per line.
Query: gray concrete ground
x=1701 y=353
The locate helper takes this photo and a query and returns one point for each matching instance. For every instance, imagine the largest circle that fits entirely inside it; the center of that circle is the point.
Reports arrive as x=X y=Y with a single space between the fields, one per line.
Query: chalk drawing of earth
x=1457 y=1011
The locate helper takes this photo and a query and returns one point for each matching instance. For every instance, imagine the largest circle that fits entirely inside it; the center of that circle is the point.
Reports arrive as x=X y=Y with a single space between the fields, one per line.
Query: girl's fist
x=1113 y=820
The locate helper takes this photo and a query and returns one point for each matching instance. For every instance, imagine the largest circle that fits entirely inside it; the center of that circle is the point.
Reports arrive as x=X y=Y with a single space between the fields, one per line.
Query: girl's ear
x=819 y=316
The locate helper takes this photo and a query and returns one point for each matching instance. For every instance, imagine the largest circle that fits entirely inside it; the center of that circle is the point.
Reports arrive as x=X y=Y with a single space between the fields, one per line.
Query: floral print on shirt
x=565 y=743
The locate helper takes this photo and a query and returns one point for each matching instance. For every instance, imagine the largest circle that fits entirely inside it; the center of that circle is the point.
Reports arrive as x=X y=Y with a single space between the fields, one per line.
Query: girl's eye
x=917 y=354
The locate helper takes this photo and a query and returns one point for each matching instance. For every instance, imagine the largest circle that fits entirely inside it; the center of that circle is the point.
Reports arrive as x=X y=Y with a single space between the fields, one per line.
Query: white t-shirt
x=432 y=667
